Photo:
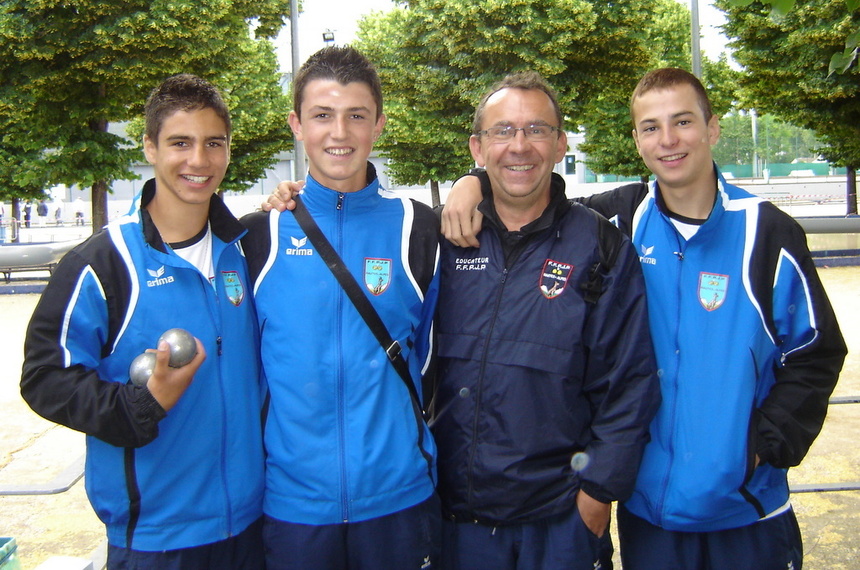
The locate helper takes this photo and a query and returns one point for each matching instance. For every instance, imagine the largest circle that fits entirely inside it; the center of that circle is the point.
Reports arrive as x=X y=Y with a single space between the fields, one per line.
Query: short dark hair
x=526 y=80
x=183 y=92
x=342 y=64
x=666 y=77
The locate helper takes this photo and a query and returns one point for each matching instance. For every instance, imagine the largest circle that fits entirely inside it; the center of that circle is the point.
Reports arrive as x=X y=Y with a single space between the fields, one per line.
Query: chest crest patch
x=233 y=286
x=554 y=278
x=377 y=275
x=712 y=290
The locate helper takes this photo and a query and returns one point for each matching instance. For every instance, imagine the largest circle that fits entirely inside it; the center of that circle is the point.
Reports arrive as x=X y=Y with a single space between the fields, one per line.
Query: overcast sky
x=341 y=17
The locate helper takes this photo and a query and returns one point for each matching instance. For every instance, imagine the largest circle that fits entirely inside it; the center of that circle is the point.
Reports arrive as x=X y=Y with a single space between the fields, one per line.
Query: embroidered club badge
x=233 y=286
x=377 y=275
x=712 y=290
x=554 y=277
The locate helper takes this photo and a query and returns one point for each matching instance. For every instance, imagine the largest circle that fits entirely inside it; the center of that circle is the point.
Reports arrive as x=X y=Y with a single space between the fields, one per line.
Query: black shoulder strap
x=609 y=240
x=358 y=297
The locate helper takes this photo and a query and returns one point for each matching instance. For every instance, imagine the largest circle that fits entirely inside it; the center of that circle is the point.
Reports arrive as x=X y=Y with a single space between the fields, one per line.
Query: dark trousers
x=241 y=552
x=407 y=539
x=770 y=544
x=557 y=542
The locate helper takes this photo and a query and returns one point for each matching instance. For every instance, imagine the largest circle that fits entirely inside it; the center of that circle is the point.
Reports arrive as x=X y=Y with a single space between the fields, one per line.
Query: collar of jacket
x=224 y=224
x=320 y=198
x=558 y=205
x=721 y=199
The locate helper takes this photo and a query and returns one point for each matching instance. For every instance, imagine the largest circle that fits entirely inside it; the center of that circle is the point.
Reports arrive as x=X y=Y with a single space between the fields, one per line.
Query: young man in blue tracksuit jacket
x=747 y=344
x=350 y=462
x=175 y=466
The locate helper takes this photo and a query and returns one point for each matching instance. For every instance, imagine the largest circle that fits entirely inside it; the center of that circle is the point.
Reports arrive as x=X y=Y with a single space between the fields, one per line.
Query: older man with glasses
x=547 y=381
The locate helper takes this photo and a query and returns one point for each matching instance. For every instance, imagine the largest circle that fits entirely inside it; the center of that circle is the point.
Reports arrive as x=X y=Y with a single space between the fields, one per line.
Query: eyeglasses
x=504 y=134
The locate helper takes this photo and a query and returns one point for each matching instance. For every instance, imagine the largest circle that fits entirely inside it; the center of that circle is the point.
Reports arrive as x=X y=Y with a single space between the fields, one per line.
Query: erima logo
x=298 y=247
x=646 y=251
x=158 y=277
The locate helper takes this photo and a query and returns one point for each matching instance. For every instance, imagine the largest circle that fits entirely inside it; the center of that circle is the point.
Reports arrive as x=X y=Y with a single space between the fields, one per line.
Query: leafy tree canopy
x=609 y=145
x=87 y=63
x=840 y=61
x=437 y=57
x=786 y=70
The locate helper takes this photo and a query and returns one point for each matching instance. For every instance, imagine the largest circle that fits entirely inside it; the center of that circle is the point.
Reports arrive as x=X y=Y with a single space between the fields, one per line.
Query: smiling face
x=519 y=169
x=190 y=156
x=674 y=139
x=338 y=125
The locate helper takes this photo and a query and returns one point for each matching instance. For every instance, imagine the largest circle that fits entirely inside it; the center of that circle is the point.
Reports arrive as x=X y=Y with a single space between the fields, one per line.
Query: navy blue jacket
x=531 y=372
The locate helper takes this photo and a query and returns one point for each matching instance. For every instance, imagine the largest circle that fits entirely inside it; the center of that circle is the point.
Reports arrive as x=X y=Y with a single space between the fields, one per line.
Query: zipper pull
x=340 y=196
x=218 y=342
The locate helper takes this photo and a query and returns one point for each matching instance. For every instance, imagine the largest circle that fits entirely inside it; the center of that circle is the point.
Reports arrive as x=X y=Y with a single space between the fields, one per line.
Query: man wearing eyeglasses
x=547 y=381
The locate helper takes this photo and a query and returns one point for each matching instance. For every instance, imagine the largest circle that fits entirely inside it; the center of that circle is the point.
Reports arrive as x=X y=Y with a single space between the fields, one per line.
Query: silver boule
x=141 y=368
x=183 y=347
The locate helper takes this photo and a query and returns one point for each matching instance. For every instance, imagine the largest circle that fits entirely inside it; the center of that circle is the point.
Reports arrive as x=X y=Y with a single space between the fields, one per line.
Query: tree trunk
x=15 y=237
x=100 y=187
x=434 y=192
x=851 y=190
x=99 y=195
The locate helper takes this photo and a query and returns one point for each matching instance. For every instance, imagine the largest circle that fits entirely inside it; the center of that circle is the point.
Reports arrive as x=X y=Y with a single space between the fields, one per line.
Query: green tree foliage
x=787 y=75
x=21 y=171
x=608 y=144
x=87 y=63
x=437 y=57
x=425 y=136
x=840 y=61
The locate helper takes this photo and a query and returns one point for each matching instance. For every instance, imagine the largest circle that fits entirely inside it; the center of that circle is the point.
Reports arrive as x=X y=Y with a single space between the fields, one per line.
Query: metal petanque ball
x=141 y=368
x=579 y=461
x=183 y=347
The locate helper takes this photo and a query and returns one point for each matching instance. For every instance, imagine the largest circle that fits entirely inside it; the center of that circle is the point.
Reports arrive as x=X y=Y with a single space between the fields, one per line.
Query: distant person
x=746 y=339
x=58 y=212
x=174 y=466
x=42 y=212
x=79 y=211
x=350 y=468
x=28 y=207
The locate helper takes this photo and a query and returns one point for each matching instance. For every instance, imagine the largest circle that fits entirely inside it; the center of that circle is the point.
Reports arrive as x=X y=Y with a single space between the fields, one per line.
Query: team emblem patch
x=712 y=290
x=233 y=286
x=554 y=277
x=377 y=275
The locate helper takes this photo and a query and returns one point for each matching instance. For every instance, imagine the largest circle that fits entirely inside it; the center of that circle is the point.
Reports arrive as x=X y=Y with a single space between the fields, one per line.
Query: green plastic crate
x=8 y=557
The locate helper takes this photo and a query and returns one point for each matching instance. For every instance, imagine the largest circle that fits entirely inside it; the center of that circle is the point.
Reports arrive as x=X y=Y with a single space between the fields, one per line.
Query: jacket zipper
x=480 y=391
x=340 y=389
x=679 y=255
x=215 y=295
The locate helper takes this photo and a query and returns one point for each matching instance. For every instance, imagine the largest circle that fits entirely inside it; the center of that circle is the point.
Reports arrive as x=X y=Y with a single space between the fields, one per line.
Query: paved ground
x=34 y=451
